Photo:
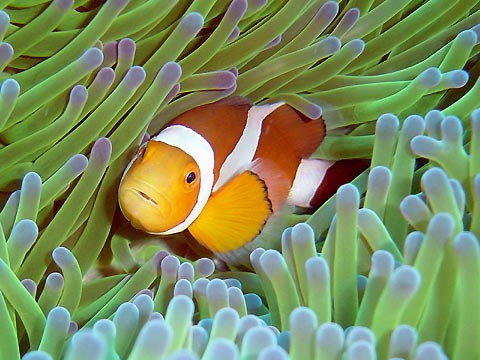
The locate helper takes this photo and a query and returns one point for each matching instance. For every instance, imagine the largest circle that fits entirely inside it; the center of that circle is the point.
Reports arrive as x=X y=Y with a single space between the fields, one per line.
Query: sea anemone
x=389 y=267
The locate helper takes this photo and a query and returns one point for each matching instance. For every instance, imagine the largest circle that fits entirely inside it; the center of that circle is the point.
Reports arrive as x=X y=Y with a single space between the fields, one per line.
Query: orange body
x=221 y=171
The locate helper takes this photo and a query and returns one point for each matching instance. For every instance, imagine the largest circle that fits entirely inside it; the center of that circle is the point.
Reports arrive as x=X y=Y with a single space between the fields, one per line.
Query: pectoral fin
x=234 y=214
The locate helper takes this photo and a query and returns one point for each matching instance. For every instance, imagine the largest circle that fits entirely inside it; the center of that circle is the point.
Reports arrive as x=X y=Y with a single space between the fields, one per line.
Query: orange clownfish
x=222 y=171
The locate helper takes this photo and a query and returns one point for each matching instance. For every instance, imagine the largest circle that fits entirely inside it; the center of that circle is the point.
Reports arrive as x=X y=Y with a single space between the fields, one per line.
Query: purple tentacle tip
x=217 y=289
x=476 y=30
x=272 y=261
x=192 y=23
x=170 y=72
x=105 y=76
x=382 y=263
x=54 y=280
x=255 y=256
x=78 y=95
x=413 y=125
x=135 y=76
x=234 y=35
x=457 y=78
x=405 y=280
x=32 y=181
x=302 y=233
x=119 y=4
x=183 y=287
x=64 y=5
x=380 y=177
x=357 y=46
x=126 y=48
x=468 y=37
x=466 y=244
x=352 y=15
x=10 y=89
x=331 y=44
x=313 y=111
x=224 y=80
x=6 y=52
x=25 y=231
x=72 y=328
x=205 y=266
x=237 y=9
x=88 y=343
x=317 y=269
x=170 y=265
x=77 y=163
x=110 y=52
x=4 y=19
x=62 y=256
x=347 y=197
x=30 y=285
x=452 y=130
x=102 y=148
x=92 y=58
x=274 y=42
x=387 y=123
x=327 y=12
x=428 y=350
x=60 y=316
x=430 y=77
x=475 y=117
x=348 y=21
x=441 y=227
x=158 y=258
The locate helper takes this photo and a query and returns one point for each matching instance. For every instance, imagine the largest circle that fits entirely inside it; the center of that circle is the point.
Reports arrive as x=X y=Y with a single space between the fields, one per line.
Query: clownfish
x=223 y=171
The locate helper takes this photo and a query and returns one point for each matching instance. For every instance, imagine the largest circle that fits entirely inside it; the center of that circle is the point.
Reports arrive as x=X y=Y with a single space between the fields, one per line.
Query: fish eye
x=190 y=177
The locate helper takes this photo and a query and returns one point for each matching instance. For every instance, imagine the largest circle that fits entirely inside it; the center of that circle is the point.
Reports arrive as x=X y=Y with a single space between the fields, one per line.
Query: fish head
x=160 y=187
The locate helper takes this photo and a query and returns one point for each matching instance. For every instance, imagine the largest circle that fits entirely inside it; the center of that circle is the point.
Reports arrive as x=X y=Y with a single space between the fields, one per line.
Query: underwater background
x=388 y=268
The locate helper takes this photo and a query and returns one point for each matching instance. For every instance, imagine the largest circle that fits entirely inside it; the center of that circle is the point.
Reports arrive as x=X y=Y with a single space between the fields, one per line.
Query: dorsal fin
x=303 y=135
x=287 y=138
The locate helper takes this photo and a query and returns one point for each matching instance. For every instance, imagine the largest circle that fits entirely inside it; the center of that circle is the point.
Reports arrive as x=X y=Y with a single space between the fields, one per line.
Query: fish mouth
x=142 y=205
x=152 y=199
x=145 y=197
